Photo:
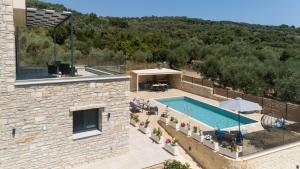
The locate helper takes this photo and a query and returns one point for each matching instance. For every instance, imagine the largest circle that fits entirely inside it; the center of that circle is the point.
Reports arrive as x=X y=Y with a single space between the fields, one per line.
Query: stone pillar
x=7 y=47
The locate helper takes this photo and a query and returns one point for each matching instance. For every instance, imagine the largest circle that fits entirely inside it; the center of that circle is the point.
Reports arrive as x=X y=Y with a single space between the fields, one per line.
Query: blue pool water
x=210 y=115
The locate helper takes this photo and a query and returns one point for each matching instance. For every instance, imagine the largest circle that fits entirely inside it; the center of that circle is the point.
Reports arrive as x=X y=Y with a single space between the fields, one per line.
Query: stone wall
x=200 y=90
x=41 y=118
x=7 y=47
x=43 y=122
x=287 y=158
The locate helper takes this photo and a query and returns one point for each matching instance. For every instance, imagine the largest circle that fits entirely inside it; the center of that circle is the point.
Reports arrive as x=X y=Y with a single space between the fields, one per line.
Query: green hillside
x=263 y=60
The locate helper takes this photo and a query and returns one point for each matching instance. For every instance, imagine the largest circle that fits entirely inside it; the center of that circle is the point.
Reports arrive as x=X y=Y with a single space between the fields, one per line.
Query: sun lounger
x=136 y=105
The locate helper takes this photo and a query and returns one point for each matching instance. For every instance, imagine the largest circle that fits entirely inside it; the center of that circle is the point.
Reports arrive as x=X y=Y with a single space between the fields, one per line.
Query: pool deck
x=152 y=96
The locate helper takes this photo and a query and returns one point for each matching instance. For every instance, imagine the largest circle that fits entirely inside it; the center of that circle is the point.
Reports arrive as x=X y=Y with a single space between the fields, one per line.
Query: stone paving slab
x=143 y=153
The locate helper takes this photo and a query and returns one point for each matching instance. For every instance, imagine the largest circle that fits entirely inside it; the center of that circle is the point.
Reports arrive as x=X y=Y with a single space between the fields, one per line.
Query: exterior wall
x=175 y=81
x=133 y=82
x=20 y=4
x=208 y=159
x=41 y=117
x=31 y=109
x=7 y=47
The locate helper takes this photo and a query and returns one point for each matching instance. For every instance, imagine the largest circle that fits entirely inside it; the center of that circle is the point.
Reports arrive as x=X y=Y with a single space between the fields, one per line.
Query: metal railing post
x=286 y=111
x=227 y=90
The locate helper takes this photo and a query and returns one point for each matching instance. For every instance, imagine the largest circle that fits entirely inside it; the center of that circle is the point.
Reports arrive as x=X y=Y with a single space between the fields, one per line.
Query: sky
x=266 y=12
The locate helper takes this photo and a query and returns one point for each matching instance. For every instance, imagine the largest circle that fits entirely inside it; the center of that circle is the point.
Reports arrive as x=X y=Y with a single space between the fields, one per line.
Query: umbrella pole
x=239 y=135
x=239 y=122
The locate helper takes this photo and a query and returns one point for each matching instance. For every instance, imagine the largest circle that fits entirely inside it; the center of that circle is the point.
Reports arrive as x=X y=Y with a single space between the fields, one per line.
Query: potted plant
x=172 y=146
x=197 y=134
x=230 y=150
x=156 y=135
x=210 y=143
x=186 y=129
x=172 y=164
x=144 y=127
x=134 y=119
x=165 y=118
x=174 y=123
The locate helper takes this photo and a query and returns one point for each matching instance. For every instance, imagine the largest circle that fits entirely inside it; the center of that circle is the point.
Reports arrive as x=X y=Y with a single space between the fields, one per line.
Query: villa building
x=60 y=121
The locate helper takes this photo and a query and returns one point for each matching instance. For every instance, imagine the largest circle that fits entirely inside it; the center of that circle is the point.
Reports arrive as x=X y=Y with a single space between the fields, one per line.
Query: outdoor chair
x=135 y=107
x=52 y=69
x=65 y=69
x=137 y=104
x=152 y=110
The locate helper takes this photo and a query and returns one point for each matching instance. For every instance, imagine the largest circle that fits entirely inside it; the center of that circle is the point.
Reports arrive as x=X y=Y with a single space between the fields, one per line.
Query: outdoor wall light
x=13 y=133
x=108 y=116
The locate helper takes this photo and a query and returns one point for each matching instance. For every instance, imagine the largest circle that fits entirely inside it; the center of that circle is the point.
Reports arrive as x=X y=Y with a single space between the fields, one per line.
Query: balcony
x=42 y=67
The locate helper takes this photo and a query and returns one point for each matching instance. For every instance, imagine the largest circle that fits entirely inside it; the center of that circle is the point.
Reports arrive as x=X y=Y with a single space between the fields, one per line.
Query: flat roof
x=163 y=71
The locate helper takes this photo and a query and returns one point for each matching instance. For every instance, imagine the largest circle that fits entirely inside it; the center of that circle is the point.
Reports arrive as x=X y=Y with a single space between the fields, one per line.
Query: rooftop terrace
x=29 y=76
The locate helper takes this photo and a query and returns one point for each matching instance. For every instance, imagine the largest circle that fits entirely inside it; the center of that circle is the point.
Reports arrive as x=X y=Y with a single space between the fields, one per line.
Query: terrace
x=260 y=142
x=55 y=68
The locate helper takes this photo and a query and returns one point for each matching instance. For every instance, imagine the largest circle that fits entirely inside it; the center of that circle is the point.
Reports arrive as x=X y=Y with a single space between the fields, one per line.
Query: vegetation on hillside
x=257 y=59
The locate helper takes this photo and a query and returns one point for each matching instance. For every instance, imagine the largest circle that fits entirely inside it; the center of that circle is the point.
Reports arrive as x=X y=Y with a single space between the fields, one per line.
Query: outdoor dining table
x=159 y=87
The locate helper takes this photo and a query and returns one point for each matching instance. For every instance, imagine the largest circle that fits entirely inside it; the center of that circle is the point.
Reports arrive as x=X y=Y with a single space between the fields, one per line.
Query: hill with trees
x=256 y=59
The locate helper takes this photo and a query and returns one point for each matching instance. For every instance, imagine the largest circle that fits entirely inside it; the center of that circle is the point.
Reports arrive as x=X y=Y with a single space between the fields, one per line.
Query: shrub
x=135 y=117
x=147 y=123
x=172 y=118
x=157 y=132
x=173 y=164
x=174 y=142
x=176 y=121
x=195 y=129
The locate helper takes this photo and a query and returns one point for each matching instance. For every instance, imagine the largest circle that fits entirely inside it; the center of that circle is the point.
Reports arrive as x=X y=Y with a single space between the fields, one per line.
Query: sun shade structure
x=46 y=18
x=137 y=75
x=162 y=71
x=240 y=105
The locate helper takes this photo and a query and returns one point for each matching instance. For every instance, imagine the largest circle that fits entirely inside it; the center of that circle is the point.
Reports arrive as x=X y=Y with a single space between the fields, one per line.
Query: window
x=85 y=120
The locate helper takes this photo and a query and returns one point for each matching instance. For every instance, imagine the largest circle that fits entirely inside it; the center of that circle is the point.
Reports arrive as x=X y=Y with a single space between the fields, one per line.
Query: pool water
x=205 y=113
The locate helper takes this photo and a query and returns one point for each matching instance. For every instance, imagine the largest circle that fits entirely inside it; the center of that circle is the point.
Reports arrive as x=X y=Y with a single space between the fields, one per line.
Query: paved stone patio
x=143 y=153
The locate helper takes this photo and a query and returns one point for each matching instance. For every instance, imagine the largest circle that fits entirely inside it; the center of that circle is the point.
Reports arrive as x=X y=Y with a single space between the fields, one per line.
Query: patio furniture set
x=60 y=69
x=159 y=85
x=139 y=105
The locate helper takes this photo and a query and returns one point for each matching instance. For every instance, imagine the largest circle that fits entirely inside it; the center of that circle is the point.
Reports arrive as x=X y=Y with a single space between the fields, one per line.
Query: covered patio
x=155 y=79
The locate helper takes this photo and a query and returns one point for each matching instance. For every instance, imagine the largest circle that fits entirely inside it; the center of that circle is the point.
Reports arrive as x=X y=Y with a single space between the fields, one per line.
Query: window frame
x=97 y=116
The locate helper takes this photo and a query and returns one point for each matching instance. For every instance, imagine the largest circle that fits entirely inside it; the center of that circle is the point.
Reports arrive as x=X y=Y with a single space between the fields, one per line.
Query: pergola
x=137 y=74
x=51 y=19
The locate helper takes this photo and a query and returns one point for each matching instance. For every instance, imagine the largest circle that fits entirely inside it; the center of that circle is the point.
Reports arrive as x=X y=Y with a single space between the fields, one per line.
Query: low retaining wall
x=200 y=90
x=287 y=158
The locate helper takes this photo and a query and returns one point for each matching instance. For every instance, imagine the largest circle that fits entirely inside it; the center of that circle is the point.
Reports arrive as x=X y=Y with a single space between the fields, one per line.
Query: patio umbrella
x=240 y=105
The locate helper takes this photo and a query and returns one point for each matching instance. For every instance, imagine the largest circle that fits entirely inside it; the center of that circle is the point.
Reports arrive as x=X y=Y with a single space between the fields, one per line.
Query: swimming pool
x=205 y=113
